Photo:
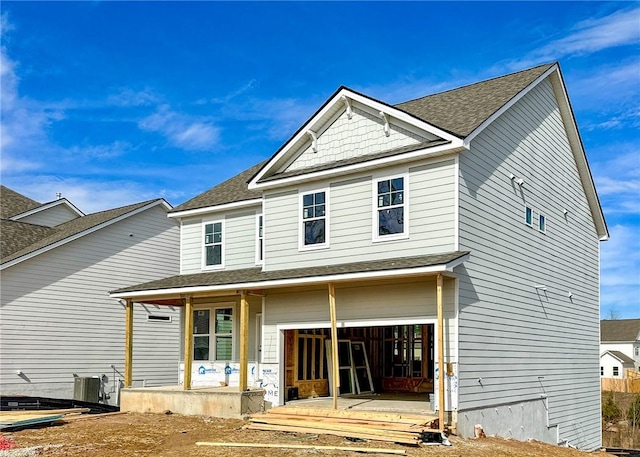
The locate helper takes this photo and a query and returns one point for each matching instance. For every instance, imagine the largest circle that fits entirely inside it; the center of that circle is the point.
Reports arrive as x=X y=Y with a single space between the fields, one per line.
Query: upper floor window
x=259 y=239
x=616 y=371
x=390 y=211
x=637 y=351
x=213 y=244
x=542 y=223
x=528 y=216
x=314 y=219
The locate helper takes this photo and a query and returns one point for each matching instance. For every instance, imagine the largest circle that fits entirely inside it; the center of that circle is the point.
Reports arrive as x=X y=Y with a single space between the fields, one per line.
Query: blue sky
x=112 y=103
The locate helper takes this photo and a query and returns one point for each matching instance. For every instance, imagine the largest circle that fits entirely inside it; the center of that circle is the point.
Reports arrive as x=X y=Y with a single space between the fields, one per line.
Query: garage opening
x=395 y=359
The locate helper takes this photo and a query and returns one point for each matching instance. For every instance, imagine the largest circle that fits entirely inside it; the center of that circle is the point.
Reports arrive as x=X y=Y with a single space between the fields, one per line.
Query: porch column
x=334 y=345
x=128 y=343
x=440 y=352
x=244 y=340
x=188 y=342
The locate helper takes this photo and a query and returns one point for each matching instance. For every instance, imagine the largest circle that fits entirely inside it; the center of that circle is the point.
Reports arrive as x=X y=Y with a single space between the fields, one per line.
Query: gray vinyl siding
x=50 y=217
x=524 y=342
x=57 y=319
x=431 y=218
x=239 y=240
x=364 y=302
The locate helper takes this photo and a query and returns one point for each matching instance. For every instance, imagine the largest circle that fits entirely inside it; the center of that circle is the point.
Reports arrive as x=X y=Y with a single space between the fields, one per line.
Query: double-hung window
x=390 y=208
x=314 y=220
x=213 y=244
x=213 y=334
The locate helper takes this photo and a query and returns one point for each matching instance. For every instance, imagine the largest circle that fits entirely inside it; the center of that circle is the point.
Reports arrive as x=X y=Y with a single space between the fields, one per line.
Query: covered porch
x=250 y=375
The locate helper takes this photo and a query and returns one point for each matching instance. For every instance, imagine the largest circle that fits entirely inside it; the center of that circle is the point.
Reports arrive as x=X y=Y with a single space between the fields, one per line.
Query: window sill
x=313 y=247
x=397 y=237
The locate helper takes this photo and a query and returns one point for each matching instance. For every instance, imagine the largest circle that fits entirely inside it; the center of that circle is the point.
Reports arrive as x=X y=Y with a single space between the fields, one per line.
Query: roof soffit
x=345 y=99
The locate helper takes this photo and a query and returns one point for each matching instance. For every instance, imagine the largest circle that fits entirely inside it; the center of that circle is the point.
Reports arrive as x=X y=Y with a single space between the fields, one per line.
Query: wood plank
x=334 y=345
x=244 y=341
x=440 y=352
x=370 y=450
x=320 y=431
x=404 y=427
x=92 y=416
x=188 y=342
x=46 y=411
x=337 y=427
x=128 y=344
x=349 y=413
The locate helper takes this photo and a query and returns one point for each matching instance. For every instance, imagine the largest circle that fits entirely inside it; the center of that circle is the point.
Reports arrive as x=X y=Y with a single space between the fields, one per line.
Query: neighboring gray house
x=468 y=217
x=619 y=346
x=57 y=320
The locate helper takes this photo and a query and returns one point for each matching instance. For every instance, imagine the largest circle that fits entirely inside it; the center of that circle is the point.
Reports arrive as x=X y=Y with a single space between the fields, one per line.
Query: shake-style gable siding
x=57 y=318
x=525 y=342
x=239 y=238
x=430 y=221
x=361 y=135
x=50 y=217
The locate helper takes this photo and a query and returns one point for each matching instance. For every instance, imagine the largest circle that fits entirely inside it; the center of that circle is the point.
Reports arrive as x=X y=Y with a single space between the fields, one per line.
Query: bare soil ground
x=175 y=436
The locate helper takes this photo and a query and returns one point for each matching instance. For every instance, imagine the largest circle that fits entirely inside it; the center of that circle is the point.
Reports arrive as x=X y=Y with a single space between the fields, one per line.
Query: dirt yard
x=176 y=436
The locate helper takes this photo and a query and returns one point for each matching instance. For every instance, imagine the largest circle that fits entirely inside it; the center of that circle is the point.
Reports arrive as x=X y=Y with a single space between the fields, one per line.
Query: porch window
x=390 y=208
x=314 y=220
x=213 y=338
x=213 y=244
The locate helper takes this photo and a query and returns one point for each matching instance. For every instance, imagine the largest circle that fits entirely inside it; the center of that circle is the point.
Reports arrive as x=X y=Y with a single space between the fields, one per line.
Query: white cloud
x=620 y=275
x=128 y=97
x=182 y=130
x=102 y=151
x=618 y=179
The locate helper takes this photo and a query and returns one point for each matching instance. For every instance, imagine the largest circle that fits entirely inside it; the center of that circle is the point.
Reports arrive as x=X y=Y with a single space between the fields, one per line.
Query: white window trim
x=527 y=207
x=204 y=251
x=542 y=230
x=313 y=247
x=258 y=260
x=376 y=238
x=212 y=326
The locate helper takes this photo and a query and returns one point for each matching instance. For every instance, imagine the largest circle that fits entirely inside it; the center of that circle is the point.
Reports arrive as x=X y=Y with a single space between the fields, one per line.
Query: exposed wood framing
x=128 y=344
x=334 y=345
x=188 y=342
x=244 y=340
x=441 y=371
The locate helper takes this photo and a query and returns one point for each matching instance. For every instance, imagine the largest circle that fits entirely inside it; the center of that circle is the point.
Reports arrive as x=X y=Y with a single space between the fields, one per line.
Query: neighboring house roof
x=12 y=203
x=620 y=356
x=60 y=234
x=460 y=111
x=258 y=278
x=620 y=330
x=230 y=191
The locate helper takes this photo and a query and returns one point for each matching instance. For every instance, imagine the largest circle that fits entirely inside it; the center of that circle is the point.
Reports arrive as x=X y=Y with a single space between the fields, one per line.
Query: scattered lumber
x=69 y=417
x=395 y=428
x=39 y=412
x=302 y=446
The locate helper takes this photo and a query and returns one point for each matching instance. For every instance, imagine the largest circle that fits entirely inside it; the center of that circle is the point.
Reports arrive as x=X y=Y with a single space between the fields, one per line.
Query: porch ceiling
x=255 y=278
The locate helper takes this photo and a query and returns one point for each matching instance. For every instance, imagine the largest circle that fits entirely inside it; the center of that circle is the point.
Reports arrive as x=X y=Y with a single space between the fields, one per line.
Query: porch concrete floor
x=395 y=403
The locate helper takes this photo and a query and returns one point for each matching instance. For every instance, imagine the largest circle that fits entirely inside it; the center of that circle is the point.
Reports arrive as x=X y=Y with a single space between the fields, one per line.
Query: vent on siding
x=156 y=318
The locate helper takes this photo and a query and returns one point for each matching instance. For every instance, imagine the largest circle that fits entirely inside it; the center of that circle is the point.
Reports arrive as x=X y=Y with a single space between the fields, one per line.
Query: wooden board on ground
x=352 y=414
x=26 y=420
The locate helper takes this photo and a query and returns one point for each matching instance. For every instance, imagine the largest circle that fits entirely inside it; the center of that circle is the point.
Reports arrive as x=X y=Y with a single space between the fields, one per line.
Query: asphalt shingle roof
x=460 y=111
x=252 y=275
x=625 y=358
x=12 y=203
x=230 y=191
x=15 y=244
x=619 y=330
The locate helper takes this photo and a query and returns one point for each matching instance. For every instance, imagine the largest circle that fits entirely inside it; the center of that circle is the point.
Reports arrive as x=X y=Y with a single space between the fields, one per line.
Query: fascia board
x=78 y=235
x=363 y=166
x=579 y=154
x=311 y=280
x=46 y=206
x=337 y=99
x=217 y=208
